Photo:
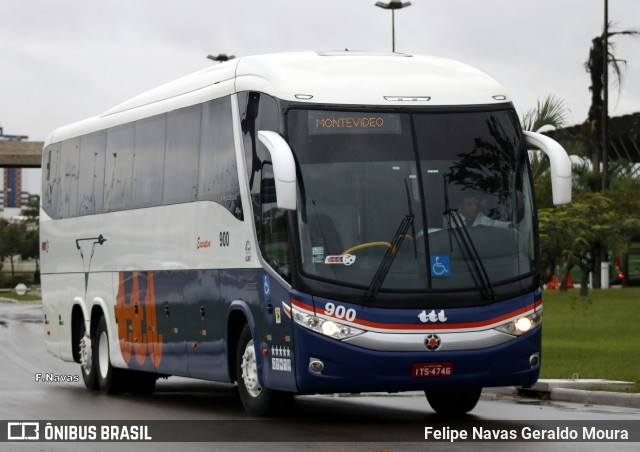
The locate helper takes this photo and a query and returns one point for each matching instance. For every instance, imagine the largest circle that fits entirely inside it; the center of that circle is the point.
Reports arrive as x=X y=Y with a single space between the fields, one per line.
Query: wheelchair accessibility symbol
x=440 y=266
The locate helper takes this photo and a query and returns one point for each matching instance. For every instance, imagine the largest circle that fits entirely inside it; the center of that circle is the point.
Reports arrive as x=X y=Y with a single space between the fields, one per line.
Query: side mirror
x=560 y=165
x=284 y=168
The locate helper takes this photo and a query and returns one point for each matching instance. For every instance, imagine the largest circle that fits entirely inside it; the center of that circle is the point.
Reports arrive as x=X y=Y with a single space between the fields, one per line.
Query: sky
x=66 y=60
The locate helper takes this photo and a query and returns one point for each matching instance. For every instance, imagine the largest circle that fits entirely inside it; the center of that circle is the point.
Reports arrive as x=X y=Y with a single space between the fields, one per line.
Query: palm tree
x=595 y=67
x=550 y=114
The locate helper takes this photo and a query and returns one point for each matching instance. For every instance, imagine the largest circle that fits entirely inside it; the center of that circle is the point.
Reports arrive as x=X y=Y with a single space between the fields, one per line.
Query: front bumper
x=348 y=368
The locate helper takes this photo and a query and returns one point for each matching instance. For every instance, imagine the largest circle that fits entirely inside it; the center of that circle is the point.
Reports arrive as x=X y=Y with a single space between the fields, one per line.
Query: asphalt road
x=209 y=416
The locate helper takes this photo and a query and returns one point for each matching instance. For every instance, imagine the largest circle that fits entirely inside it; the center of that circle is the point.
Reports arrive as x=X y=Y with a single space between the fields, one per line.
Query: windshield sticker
x=247 y=251
x=343 y=259
x=318 y=254
x=440 y=266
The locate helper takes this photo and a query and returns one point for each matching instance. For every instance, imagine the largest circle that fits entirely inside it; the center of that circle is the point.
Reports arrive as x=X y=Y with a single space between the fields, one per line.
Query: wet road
x=213 y=412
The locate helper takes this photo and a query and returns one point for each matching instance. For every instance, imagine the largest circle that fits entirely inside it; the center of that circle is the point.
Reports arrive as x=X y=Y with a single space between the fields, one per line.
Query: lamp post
x=393 y=5
x=605 y=98
x=221 y=58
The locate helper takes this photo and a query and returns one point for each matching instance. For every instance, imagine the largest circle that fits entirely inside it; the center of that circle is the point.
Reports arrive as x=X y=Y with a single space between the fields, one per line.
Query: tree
x=550 y=114
x=11 y=241
x=30 y=249
x=596 y=68
x=573 y=232
x=31 y=210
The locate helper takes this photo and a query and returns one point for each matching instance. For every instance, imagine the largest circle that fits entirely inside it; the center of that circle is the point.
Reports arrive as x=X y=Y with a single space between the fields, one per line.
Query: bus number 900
x=340 y=312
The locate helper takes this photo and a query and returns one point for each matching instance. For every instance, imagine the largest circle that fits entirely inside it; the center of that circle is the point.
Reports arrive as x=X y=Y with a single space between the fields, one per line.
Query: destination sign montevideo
x=332 y=122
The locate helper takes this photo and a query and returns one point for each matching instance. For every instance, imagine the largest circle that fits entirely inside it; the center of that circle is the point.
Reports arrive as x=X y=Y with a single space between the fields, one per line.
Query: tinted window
x=91 y=185
x=181 y=161
x=51 y=194
x=181 y=156
x=217 y=170
x=148 y=167
x=119 y=168
x=69 y=165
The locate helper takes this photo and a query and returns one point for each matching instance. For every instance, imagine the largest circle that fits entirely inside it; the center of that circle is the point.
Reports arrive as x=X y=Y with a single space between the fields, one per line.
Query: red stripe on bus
x=426 y=326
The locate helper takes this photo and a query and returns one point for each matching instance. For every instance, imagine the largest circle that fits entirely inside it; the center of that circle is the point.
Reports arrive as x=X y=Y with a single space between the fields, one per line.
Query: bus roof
x=345 y=77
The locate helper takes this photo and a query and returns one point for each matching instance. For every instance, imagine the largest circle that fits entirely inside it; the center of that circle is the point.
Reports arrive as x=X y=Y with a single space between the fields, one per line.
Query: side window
x=51 y=181
x=91 y=184
x=181 y=155
x=69 y=169
x=260 y=112
x=118 y=175
x=217 y=169
x=148 y=165
x=274 y=235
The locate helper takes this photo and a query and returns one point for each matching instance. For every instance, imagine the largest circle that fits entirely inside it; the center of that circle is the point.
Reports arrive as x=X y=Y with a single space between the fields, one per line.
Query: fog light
x=534 y=360
x=316 y=366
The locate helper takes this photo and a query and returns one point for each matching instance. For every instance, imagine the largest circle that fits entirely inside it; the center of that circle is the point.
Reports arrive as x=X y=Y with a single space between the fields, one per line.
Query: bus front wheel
x=257 y=400
x=453 y=401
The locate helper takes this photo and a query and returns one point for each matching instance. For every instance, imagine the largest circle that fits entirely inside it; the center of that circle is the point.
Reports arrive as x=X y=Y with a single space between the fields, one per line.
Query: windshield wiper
x=388 y=258
x=463 y=236
x=390 y=255
x=413 y=227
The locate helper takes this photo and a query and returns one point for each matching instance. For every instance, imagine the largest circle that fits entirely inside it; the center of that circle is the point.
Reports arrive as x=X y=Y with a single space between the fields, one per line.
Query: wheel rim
x=250 y=370
x=103 y=354
x=85 y=355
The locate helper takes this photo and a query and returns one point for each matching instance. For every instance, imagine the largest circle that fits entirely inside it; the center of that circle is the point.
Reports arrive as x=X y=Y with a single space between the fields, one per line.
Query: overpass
x=20 y=154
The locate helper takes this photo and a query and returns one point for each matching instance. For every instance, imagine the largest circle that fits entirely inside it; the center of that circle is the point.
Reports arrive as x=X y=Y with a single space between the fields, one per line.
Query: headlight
x=327 y=327
x=521 y=325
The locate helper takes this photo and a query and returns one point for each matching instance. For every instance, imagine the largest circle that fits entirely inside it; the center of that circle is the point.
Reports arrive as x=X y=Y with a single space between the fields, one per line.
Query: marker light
x=407 y=98
x=521 y=325
x=327 y=327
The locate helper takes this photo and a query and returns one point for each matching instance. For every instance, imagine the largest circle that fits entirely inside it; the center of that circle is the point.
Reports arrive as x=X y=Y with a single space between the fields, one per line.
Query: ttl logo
x=432 y=316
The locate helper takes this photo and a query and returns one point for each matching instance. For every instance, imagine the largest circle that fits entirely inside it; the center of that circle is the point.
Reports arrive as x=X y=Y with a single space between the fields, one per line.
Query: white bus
x=294 y=223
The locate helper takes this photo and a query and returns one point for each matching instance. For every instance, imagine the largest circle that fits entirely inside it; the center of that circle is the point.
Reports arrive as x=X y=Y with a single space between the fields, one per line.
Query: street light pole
x=605 y=98
x=393 y=5
x=221 y=58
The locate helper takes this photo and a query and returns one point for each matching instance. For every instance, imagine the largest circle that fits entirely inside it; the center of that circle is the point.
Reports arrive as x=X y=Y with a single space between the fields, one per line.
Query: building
x=12 y=180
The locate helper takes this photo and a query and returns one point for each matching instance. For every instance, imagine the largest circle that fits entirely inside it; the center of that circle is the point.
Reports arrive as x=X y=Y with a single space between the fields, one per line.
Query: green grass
x=14 y=296
x=593 y=337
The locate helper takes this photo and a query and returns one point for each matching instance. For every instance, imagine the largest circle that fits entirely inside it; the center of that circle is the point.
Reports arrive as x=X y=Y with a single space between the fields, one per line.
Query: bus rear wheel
x=257 y=400
x=453 y=401
x=87 y=361
x=110 y=379
x=141 y=383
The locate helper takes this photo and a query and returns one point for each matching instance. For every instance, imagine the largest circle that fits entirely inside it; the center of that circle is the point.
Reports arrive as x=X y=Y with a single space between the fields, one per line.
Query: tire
x=87 y=359
x=110 y=380
x=453 y=401
x=141 y=383
x=257 y=401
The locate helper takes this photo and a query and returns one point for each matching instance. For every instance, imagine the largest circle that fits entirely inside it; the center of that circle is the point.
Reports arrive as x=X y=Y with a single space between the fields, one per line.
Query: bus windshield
x=451 y=188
